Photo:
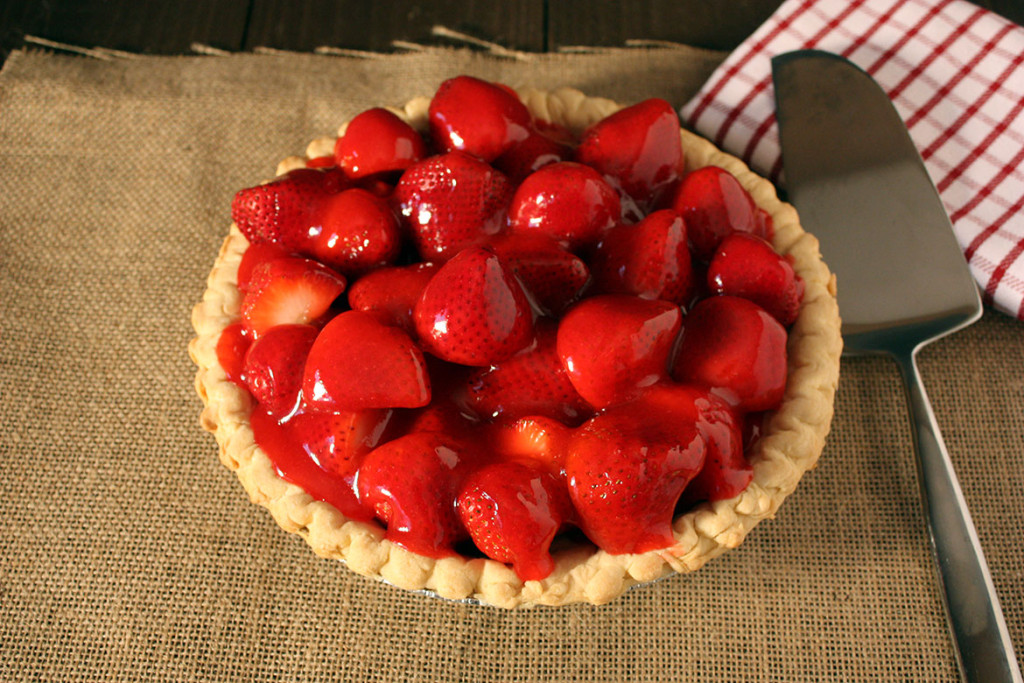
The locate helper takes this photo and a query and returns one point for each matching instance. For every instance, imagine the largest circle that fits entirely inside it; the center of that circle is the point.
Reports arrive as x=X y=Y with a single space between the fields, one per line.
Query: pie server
x=861 y=188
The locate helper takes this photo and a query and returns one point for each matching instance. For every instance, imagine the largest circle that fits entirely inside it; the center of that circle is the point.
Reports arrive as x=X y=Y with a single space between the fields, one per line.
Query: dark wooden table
x=302 y=25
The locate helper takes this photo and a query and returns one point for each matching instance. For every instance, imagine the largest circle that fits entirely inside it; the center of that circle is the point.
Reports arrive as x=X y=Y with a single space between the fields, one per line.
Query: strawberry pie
x=518 y=347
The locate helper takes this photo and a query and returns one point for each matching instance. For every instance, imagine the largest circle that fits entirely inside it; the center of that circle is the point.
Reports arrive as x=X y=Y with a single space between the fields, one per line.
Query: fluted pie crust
x=793 y=440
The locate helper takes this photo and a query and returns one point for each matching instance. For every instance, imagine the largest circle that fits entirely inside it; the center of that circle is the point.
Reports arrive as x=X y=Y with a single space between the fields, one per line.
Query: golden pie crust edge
x=793 y=441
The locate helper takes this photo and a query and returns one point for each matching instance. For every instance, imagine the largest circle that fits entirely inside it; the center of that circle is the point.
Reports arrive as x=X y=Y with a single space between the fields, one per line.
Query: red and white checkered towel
x=955 y=73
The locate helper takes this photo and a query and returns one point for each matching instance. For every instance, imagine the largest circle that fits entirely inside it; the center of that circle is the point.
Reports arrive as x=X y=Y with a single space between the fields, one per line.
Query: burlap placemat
x=127 y=552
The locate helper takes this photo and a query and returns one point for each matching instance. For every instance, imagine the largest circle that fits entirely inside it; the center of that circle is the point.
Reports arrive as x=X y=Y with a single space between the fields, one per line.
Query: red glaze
x=567 y=201
x=281 y=211
x=737 y=350
x=231 y=348
x=410 y=485
x=289 y=291
x=533 y=382
x=320 y=162
x=254 y=255
x=513 y=510
x=715 y=205
x=473 y=311
x=747 y=266
x=615 y=345
x=639 y=147
x=474 y=116
x=451 y=201
x=650 y=259
x=531 y=154
x=273 y=366
x=391 y=292
x=553 y=277
x=627 y=468
x=354 y=231
x=725 y=472
x=358 y=362
x=321 y=452
x=537 y=438
x=377 y=141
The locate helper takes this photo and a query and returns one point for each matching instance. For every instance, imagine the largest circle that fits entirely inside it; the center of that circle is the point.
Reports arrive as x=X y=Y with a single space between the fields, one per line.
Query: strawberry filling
x=492 y=334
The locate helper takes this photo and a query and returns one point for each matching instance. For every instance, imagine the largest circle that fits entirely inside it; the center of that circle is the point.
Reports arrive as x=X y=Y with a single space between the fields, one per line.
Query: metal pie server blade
x=861 y=188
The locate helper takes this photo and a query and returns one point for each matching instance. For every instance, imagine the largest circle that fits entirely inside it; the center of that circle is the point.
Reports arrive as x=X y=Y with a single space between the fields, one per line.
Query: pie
x=517 y=347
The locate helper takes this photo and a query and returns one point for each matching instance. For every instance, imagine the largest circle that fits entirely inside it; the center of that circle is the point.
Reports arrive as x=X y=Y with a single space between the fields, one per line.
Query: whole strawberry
x=377 y=141
x=273 y=366
x=474 y=116
x=715 y=205
x=650 y=259
x=552 y=276
x=639 y=147
x=358 y=362
x=512 y=510
x=747 y=266
x=281 y=211
x=451 y=201
x=391 y=292
x=354 y=232
x=473 y=311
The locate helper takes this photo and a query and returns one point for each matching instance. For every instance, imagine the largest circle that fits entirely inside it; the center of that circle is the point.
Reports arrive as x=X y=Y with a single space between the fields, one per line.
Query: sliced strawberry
x=737 y=350
x=289 y=291
x=281 y=211
x=473 y=311
x=531 y=154
x=567 y=201
x=377 y=141
x=273 y=366
x=553 y=277
x=614 y=345
x=254 y=255
x=410 y=485
x=337 y=442
x=451 y=201
x=535 y=437
x=715 y=205
x=353 y=232
x=232 y=345
x=726 y=471
x=512 y=511
x=392 y=292
x=474 y=116
x=747 y=266
x=358 y=362
x=650 y=259
x=639 y=147
x=533 y=382
x=627 y=468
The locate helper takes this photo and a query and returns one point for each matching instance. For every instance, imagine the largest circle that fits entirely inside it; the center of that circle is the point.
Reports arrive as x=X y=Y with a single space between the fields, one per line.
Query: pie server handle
x=984 y=650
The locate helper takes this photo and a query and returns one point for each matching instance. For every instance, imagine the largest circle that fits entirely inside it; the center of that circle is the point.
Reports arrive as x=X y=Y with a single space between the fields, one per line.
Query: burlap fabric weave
x=127 y=552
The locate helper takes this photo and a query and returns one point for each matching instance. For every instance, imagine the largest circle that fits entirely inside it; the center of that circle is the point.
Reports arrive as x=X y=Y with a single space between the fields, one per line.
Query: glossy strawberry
x=451 y=201
x=473 y=311
x=627 y=468
x=289 y=291
x=232 y=345
x=392 y=292
x=747 y=266
x=639 y=147
x=715 y=205
x=736 y=349
x=533 y=382
x=533 y=153
x=726 y=471
x=377 y=141
x=614 y=345
x=567 y=201
x=281 y=211
x=273 y=366
x=410 y=485
x=538 y=438
x=358 y=362
x=254 y=255
x=353 y=232
x=337 y=442
x=513 y=510
x=474 y=116
x=650 y=259
x=553 y=277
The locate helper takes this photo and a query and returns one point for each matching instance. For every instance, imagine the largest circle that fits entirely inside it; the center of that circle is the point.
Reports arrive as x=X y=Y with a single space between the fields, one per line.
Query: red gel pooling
x=231 y=348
